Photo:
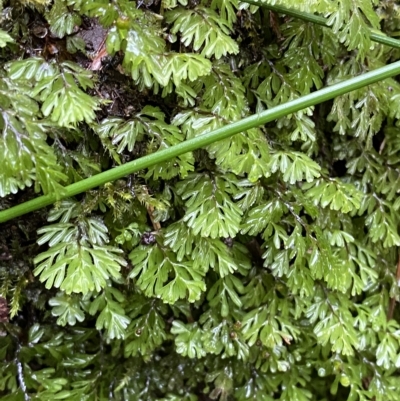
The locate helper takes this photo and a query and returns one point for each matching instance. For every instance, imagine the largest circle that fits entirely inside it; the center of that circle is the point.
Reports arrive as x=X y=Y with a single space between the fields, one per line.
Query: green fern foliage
x=25 y=154
x=5 y=38
x=264 y=266
x=78 y=260
x=203 y=29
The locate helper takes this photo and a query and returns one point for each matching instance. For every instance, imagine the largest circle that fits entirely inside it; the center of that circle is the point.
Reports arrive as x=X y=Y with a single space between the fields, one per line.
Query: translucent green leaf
x=188 y=340
x=68 y=309
x=5 y=38
x=202 y=28
x=210 y=210
x=294 y=166
x=62 y=21
x=159 y=274
x=336 y=194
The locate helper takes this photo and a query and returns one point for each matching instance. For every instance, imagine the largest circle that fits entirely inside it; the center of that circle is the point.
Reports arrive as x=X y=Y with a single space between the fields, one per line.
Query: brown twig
x=392 y=302
x=4 y=310
x=156 y=224
x=150 y=211
x=95 y=65
x=274 y=23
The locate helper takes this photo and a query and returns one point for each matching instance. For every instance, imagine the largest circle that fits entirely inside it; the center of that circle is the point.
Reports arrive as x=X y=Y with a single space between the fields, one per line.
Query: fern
x=59 y=90
x=202 y=28
x=78 y=260
x=24 y=150
x=148 y=123
x=263 y=266
x=161 y=275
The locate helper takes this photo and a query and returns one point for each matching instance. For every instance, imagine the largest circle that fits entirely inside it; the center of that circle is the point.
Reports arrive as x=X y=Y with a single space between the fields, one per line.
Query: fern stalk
x=206 y=139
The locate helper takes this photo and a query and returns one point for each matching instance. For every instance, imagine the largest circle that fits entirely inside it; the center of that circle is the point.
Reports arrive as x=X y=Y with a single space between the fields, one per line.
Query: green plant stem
x=206 y=139
x=316 y=19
